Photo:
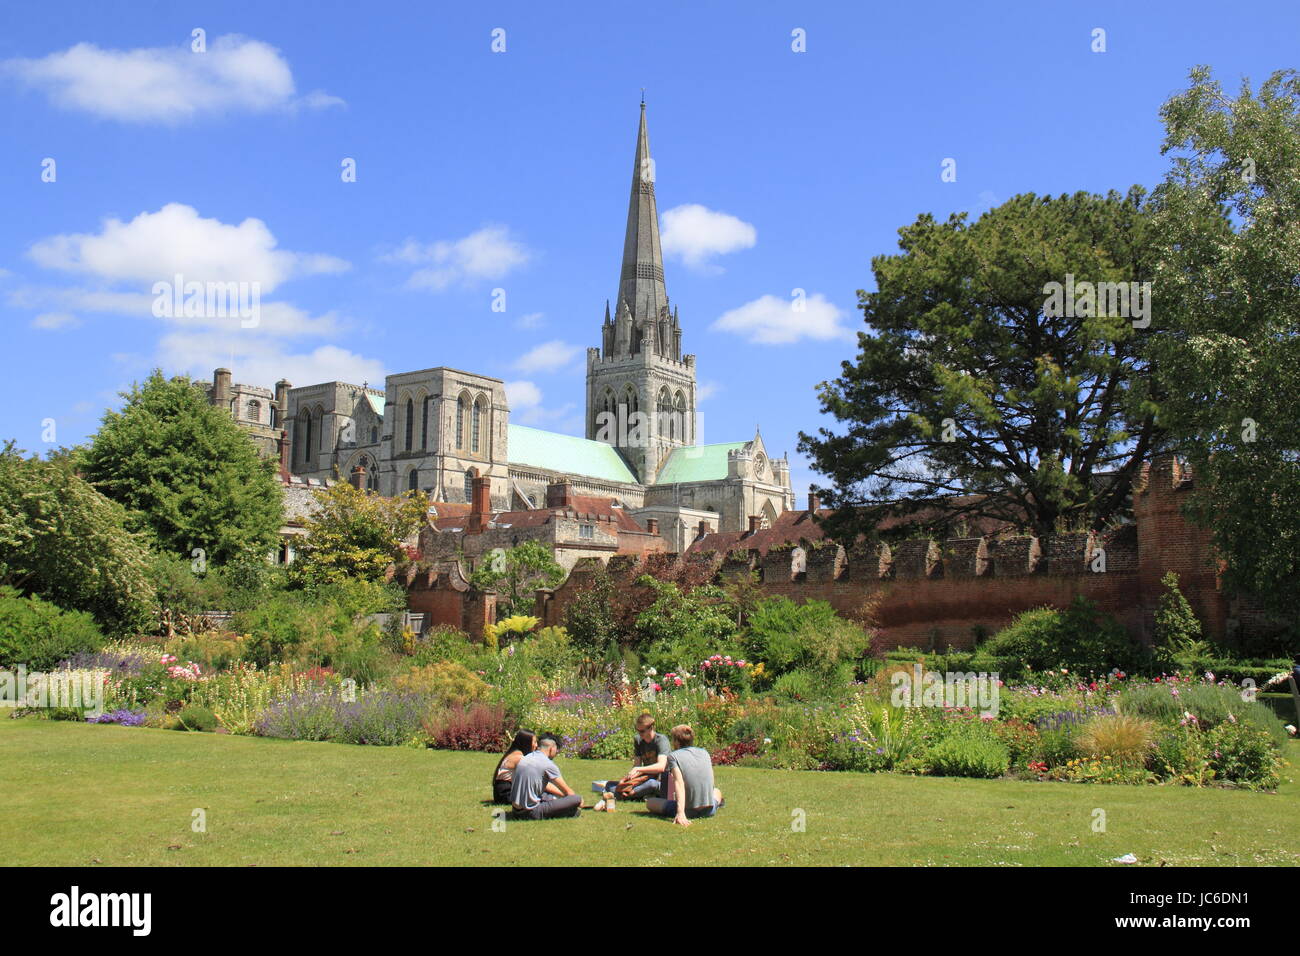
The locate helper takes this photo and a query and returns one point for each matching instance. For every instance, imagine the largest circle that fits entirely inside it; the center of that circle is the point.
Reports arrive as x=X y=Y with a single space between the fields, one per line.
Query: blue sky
x=481 y=170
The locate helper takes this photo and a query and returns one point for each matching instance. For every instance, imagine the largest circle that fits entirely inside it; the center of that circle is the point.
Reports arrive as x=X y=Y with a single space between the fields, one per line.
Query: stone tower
x=640 y=388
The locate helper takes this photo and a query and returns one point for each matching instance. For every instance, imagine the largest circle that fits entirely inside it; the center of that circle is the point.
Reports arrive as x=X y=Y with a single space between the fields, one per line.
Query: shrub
x=37 y=634
x=1210 y=704
x=478 y=726
x=774 y=624
x=796 y=685
x=450 y=683
x=1177 y=627
x=196 y=717
x=1079 y=638
x=1245 y=755
x=970 y=752
x=376 y=717
x=1123 y=738
x=1182 y=754
x=549 y=650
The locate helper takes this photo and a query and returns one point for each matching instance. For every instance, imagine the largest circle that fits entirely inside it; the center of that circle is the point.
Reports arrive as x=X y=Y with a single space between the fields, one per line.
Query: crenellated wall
x=939 y=593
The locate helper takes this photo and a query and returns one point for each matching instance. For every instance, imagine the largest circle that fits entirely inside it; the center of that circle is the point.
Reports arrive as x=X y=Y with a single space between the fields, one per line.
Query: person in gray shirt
x=528 y=788
x=691 y=771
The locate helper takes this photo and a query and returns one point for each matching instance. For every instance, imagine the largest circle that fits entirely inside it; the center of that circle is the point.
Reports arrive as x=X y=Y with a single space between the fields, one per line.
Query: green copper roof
x=696 y=463
x=565 y=453
x=376 y=403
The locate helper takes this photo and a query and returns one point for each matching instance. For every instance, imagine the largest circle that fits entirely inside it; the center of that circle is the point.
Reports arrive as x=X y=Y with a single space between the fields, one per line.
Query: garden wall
x=938 y=593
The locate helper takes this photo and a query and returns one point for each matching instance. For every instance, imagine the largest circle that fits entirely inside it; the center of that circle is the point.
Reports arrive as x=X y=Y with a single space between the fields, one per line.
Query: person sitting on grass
x=525 y=742
x=691 y=770
x=650 y=763
x=536 y=782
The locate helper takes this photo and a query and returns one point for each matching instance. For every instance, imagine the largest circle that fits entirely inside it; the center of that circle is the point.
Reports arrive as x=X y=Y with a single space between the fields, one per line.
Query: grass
x=79 y=795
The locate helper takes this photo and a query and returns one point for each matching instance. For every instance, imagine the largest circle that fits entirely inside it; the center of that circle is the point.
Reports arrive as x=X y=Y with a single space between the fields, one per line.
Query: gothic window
x=631 y=400
x=410 y=424
x=304 y=436
x=424 y=425
x=462 y=406
x=254 y=411
x=679 y=416
x=374 y=434
x=319 y=425
x=476 y=424
x=413 y=480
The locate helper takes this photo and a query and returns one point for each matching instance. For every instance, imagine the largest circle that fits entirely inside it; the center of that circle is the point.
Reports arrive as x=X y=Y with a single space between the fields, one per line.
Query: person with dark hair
x=536 y=779
x=690 y=768
x=525 y=742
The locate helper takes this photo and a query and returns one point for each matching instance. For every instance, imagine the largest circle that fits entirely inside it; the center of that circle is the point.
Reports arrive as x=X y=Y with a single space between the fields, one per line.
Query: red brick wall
x=939 y=592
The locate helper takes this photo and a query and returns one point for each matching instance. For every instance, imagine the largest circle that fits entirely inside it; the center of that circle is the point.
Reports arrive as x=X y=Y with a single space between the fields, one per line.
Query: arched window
x=469 y=485
x=304 y=436
x=679 y=415
x=410 y=424
x=476 y=424
x=461 y=408
x=424 y=425
x=413 y=480
x=374 y=434
x=318 y=424
x=254 y=411
x=631 y=400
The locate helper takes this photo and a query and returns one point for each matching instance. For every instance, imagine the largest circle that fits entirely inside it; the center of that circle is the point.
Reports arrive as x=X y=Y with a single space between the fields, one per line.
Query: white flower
x=1290 y=729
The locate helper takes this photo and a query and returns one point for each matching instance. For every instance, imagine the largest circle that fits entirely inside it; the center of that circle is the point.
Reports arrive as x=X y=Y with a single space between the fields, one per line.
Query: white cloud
x=156 y=246
x=706 y=390
x=522 y=395
x=533 y=320
x=773 y=321
x=53 y=321
x=695 y=233
x=548 y=357
x=262 y=361
x=490 y=253
x=167 y=84
x=526 y=409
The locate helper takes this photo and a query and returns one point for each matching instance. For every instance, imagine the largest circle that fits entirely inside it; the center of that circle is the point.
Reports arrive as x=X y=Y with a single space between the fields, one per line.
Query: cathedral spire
x=641 y=281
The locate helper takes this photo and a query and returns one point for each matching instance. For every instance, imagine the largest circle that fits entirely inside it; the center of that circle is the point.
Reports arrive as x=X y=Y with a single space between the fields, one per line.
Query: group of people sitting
x=674 y=779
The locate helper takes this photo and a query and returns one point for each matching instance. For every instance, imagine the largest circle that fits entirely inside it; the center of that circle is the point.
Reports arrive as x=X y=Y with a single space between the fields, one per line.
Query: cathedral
x=438 y=429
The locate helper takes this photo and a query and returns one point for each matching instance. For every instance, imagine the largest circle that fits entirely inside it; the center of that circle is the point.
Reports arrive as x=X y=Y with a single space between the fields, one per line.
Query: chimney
x=813 y=503
x=480 y=508
x=221 y=388
x=282 y=400
x=754 y=521
x=358 y=477
x=652 y=525
x=704 y=528
x=559 y=494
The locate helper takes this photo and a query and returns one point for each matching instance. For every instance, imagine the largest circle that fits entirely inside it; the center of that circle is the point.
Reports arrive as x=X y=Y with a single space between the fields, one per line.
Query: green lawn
x=73 y=794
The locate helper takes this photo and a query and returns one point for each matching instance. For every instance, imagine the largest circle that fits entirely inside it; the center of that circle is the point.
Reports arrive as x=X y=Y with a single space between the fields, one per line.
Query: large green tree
x=62 y=540
x=1227 y=352
x=976 y=377
x=187 y=474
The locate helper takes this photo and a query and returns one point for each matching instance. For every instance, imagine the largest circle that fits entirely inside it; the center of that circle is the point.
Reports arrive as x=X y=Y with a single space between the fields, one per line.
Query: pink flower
x=656 y=687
